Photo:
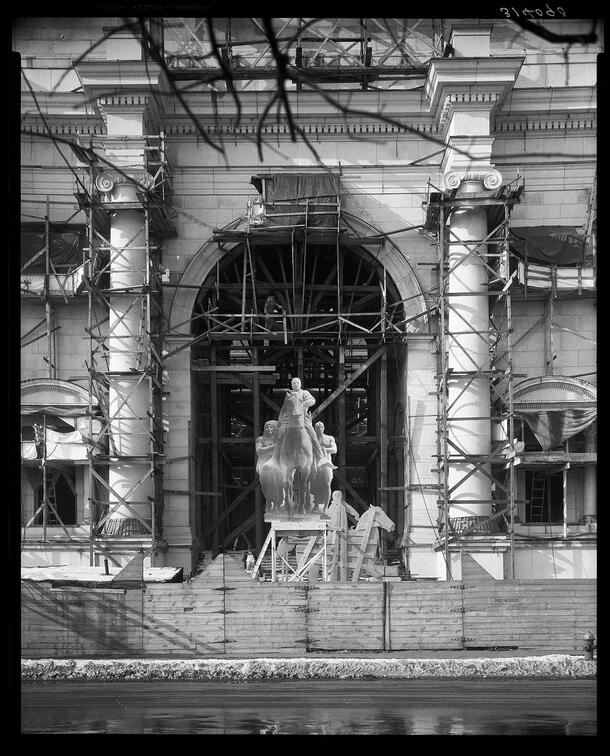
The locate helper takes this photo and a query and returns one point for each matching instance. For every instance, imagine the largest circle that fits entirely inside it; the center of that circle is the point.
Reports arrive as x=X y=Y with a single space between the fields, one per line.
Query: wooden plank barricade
x=80 y=622
x=345 y=616
x=266 y=619
x=529 y=614
x=424 y=616
x=216 y=615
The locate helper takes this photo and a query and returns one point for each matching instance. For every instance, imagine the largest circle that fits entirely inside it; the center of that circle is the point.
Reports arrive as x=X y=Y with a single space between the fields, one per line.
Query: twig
x=228 y=77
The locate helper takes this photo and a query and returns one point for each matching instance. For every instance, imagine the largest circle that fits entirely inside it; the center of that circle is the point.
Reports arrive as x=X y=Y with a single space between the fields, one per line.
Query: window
x=544 y=495
x=61 y=494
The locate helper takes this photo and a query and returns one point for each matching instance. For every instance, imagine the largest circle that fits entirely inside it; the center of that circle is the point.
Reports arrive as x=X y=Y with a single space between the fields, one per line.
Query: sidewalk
x=407 y=665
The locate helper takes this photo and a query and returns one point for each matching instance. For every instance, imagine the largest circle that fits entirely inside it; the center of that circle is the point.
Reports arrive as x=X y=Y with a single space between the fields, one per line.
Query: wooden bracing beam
x=348 y=382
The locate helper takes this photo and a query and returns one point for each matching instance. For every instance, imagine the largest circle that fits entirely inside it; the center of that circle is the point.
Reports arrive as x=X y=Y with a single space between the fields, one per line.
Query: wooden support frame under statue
x=309 y=540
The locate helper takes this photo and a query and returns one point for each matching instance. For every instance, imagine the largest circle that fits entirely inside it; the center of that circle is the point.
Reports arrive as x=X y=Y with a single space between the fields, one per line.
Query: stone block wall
x=384 y=176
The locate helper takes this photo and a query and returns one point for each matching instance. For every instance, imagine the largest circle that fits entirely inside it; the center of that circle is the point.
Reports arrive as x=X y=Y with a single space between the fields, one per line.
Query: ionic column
x=125 y=90
x=468 y=400
x=129 y=396
x=128 y=388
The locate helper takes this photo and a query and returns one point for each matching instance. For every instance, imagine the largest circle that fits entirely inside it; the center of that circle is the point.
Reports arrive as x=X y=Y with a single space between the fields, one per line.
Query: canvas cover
x=548 y=245
x=553 y=427
x=287 y=195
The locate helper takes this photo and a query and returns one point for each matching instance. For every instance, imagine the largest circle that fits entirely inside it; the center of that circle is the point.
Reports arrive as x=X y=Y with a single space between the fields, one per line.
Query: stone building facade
x=489 y=111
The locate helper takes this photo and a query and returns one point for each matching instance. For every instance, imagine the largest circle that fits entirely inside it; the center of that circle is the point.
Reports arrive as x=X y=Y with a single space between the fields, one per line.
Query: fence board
x=424 y=617
x=530 y=615
x=346 y=616
x=169 y=629
x=200 y=618
x=265 y=617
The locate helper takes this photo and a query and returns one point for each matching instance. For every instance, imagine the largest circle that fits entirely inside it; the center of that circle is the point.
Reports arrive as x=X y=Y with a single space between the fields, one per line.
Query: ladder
x=537 y=497
x=51 y=501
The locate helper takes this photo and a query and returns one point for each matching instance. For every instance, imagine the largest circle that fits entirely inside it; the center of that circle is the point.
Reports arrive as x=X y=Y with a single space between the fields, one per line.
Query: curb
x=240 y=670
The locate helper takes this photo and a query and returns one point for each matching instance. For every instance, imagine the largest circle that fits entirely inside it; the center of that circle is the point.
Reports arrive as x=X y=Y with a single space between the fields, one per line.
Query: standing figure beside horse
x=322 y=477
x=271 y=480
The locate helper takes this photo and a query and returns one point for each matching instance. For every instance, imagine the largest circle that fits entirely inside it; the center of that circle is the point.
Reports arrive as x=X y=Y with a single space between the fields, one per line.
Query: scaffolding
x=53 y=274
x=293 y=299
x=112 y=329
x=367 y=53
x=498 y=466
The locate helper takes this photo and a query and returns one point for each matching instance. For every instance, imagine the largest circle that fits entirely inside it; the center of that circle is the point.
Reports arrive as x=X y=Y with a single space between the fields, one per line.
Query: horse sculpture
x=374 y=517
x=296 y=453
x=363 y=542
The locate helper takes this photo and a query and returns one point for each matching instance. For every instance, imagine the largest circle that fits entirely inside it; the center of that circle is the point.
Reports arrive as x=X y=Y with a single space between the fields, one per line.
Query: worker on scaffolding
x=272 y=308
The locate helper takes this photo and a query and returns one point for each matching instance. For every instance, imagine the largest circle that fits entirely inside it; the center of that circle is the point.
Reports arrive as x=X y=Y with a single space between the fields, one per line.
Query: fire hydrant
x=589 y=639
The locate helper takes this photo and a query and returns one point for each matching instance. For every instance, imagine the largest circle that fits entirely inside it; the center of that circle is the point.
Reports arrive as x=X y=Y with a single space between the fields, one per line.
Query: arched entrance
x=268 y=309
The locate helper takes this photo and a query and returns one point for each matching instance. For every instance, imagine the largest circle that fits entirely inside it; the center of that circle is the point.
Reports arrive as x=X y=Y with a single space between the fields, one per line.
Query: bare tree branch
x=281 y=61
x=153 y=46
x=285 y=72
x=228 y=77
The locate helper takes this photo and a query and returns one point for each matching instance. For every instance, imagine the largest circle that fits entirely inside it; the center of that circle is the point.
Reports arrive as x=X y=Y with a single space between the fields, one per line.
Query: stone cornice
x=123 y=76
x=323 y=127
x=400 y=104
x=122 y=84
x=549 y=100
x=502 y=126
x=394 y=103
x=470 y=76
x=509 y=124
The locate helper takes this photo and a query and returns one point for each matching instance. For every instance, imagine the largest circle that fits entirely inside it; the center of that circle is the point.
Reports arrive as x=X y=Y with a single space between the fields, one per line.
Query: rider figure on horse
x=304 y=400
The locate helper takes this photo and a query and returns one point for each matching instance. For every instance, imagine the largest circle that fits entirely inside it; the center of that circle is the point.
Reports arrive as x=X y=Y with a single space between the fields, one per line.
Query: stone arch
x=362 y=241
x=395 y=260
x=53 y=392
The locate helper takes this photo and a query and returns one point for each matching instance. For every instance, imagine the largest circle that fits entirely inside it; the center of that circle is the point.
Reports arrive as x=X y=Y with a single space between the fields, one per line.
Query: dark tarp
x=287 y=193
x=553 y=427
x=66 y=240
x=298 y=186
x=548 y=245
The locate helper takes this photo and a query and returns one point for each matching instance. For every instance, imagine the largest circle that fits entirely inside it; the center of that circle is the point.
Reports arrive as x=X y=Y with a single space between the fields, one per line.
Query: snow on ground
x=239 y=670
x=89 y=575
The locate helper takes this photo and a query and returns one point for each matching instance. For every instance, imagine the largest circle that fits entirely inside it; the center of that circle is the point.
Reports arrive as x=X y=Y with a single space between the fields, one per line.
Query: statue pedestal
x=310 y=536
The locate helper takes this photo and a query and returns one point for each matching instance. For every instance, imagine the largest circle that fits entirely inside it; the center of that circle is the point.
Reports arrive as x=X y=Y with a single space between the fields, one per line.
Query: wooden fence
x=215 y=616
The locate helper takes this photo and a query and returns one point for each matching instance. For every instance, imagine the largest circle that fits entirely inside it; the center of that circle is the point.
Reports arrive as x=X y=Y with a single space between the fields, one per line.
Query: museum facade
x=405 y=224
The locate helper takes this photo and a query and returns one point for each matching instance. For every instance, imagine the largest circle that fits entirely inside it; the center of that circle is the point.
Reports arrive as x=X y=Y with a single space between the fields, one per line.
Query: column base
x=480 y=525
x=129 y=526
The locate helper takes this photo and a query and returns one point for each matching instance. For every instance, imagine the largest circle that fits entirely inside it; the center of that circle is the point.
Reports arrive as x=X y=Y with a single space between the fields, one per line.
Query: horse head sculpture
x=379 y=517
